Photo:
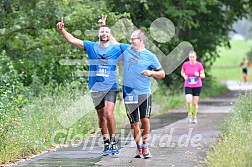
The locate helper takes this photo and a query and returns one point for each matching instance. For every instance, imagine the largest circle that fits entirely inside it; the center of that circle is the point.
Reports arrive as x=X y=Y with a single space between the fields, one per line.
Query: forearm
x=113 y=40
x=71 y=39
x=158 y=74
x=202 y=75
x=183 y=74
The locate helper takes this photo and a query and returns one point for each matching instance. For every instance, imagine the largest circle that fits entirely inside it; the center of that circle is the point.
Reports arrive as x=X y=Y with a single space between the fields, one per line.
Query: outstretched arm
x=113 y=40
x=69 y=37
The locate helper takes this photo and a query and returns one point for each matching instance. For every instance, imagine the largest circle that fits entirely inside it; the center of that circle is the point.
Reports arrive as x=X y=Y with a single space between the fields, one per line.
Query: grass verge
x=235 y=145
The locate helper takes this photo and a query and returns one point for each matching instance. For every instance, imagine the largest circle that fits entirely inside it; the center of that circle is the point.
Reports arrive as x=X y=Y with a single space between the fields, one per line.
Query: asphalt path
x=173 y=142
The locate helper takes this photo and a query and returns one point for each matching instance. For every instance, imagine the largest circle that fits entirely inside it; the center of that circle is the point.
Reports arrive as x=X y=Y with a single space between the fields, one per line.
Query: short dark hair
x=105 y=26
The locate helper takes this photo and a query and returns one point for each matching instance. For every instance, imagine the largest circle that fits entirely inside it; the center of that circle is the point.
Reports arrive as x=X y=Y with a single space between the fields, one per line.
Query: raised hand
x=60 y=25
x=102 y=21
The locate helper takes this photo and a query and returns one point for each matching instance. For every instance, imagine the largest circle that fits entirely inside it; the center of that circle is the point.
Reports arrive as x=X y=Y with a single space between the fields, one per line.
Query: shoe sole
x=137 y=156
x=105 y=155
x=147 y=157
x=115 y=153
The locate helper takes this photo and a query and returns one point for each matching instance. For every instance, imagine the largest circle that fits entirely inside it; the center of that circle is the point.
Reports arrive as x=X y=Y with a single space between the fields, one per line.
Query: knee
x=110 y=115
x=145 y=121
x=188 y=102
x=134 y=125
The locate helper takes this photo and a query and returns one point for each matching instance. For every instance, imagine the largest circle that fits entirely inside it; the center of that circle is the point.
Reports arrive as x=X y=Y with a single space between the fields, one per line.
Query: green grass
x=33 y=128
x=231 y=73
x=226 y=67
x=235 y=145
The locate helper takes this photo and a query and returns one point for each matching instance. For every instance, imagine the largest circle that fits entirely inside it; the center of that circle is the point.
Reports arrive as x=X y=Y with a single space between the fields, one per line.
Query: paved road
x=173 y=142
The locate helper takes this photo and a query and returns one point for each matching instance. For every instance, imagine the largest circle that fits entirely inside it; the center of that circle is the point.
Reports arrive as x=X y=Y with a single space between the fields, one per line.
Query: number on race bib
x=193 y=80
x=131 y=99
x=103 y=71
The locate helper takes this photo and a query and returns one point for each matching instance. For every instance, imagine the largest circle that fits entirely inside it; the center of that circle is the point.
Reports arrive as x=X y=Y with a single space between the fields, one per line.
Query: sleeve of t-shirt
x=124 y=46
x=183 y=66
x=201 y=68
x=87 y=45
x=155 y=63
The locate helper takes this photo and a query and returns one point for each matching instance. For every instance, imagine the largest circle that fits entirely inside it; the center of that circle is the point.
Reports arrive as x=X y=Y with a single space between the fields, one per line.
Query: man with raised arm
x=102 y=58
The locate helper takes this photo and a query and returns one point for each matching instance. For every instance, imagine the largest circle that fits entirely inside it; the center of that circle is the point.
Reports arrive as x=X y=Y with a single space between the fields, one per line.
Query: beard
x=104 y=40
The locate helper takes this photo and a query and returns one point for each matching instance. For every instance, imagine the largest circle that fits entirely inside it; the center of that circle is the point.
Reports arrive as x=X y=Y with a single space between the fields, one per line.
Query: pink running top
x=189 y=69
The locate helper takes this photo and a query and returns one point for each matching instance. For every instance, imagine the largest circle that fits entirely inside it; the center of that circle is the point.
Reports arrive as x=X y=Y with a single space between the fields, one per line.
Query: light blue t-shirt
x=134 y=64
x=102 y=65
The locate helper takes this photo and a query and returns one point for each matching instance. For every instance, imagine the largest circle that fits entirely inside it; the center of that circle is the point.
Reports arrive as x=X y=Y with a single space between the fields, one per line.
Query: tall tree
x=205 y=24
x=29 y=37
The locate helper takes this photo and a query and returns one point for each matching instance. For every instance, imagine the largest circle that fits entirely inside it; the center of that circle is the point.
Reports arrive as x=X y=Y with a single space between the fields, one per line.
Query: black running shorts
x=193 y=91
x=142 y=108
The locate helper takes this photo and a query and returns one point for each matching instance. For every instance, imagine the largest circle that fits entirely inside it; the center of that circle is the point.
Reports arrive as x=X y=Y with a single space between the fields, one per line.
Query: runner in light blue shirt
x=139 y=65
x=102 y=57
x=134 y=64
x=102 y=65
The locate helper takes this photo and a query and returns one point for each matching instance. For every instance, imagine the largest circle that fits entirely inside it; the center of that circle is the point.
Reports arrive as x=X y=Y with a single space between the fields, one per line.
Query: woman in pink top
x=193 y=72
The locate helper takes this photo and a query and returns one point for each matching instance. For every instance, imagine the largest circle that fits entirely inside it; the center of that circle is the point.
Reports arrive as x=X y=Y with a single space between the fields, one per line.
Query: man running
x=102 y=58
x=139 y=65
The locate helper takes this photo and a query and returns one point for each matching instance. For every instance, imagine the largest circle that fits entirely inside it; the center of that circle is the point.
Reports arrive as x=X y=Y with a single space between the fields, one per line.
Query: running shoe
x=195 y=121
x=138 y=153
x=146 y=152
x=114 y=148
x=106 y=150
x=189 y=119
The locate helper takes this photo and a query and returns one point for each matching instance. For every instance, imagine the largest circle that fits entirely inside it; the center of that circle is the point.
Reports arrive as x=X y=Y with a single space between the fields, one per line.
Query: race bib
x=193 y=80
x=103 y=71
x=131 y=98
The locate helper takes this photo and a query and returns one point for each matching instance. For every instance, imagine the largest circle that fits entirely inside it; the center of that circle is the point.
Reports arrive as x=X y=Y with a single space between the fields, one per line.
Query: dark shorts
x=244 y=71
x=193 y=91
x=142 y=108
x=99 y=97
